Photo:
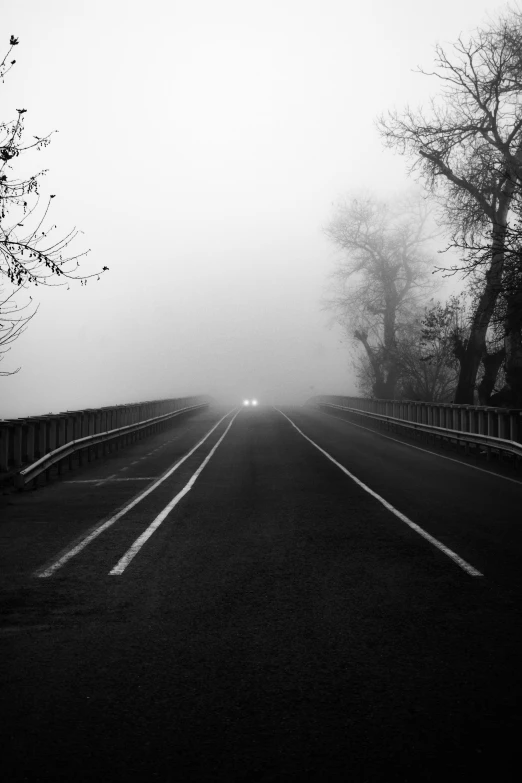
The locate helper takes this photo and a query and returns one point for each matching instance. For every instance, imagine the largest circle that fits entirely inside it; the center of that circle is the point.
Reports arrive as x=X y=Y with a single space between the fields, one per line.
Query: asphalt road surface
x=263 y=595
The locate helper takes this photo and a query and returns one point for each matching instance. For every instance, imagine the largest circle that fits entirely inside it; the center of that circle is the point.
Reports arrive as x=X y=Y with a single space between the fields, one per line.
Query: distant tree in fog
x=468 y=150
x=429 y=351
x=381 y=281
x=30 y=252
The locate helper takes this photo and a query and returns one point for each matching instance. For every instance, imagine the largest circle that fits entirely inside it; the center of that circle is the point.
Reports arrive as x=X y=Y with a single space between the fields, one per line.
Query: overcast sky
x=201 y=144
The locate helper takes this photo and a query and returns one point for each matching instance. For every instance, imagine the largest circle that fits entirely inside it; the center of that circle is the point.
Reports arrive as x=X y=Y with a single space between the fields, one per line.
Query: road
x=287 y=598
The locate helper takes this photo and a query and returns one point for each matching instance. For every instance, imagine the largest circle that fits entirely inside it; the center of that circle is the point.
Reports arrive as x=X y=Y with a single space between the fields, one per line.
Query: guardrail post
x=61 y=434
x=491 y=421
x=51 y=440
x=124 y=421
x=41 y=438
x=137 y=419
x=70 y=434
x=514 y=429
x=5 y=433
x=82 y=427
x=17 y=432
x=28 y=455
x=127 y=439
x=454 y=418
x=501 y=424
x=472 y=419
x=87 y=426
x=97 y=430
x=480 y=417
x=116 y=421
x=107 y=425
x=114 y=425
x=132 y=418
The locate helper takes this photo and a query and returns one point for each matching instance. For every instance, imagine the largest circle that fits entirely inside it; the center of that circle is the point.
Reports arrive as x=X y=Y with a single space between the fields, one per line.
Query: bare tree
x=381 y=279
x=429 y=352
x=13 y=322
x=468 y=150
x=30 y=252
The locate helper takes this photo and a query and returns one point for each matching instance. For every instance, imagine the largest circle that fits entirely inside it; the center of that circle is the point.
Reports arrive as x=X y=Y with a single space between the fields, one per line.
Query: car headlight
x=254 y=402
x=246 y=402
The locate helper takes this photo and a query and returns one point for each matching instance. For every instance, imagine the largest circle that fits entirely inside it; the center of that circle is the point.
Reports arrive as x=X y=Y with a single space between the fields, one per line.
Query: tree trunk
x=492 y=363
x=513 y=346
x=389 y=387
x=379 y=388
x=378 y=384
x=476 y=344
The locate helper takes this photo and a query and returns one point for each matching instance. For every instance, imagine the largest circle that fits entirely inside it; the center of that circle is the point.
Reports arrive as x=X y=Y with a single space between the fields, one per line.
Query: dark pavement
x=280 y=624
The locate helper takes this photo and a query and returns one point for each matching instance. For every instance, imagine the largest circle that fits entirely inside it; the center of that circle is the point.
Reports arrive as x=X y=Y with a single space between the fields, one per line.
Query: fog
x=200 y=147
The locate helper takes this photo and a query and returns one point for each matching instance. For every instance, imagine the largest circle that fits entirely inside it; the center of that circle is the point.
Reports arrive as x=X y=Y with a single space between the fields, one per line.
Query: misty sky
x=201 y=144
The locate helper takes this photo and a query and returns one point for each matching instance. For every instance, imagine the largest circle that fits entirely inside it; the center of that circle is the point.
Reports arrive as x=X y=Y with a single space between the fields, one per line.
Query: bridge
x=192 y=591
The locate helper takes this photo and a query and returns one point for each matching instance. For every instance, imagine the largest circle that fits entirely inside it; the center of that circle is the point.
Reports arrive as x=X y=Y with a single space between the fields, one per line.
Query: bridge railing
x=499 y=428
x=30 y=446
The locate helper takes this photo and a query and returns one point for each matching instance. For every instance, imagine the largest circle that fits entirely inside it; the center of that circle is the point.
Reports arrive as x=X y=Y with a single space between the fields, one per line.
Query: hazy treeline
x=466 y=150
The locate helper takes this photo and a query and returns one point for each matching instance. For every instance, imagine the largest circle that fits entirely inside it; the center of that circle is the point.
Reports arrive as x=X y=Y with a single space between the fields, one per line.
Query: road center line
x=122 y=564
x=98 y=529
x=469 y=569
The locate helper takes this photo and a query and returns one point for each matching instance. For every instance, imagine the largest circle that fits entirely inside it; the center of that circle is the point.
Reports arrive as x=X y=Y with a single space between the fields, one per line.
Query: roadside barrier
x=493 y=429
x=30 y=447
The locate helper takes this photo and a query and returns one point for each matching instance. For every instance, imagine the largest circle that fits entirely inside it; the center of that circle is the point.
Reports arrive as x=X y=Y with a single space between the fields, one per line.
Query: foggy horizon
x=200 y=149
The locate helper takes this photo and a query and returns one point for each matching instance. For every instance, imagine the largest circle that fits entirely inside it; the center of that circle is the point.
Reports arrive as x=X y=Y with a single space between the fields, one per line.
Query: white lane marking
x=426 y=451
x=98 y=529
x=122 y=564
x=469 y=569
x=102 y=481
x=111 y=479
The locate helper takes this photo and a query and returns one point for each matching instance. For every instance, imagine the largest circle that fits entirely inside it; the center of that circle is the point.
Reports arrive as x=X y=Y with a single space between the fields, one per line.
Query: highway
x=263 y=595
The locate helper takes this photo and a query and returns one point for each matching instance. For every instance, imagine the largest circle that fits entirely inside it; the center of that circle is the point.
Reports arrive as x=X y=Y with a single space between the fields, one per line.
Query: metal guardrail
x=44 y=463
x=505 y=423
x=489 y=442
x=31 y=446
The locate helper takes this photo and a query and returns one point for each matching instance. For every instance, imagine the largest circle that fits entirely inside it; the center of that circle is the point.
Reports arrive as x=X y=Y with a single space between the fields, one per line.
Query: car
x=250 y=403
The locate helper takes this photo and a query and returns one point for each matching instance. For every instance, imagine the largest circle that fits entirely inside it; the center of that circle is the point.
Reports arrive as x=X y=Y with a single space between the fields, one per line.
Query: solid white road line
x=122 y=564
x=426 y=451
x=96 y=531
x=469 y=569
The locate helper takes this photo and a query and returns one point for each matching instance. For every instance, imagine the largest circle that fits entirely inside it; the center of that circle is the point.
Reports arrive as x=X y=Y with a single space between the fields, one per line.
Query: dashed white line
x=111 y=479
x=469 y=569
x=104 y=480
x=98 y=529
x=122 y=564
